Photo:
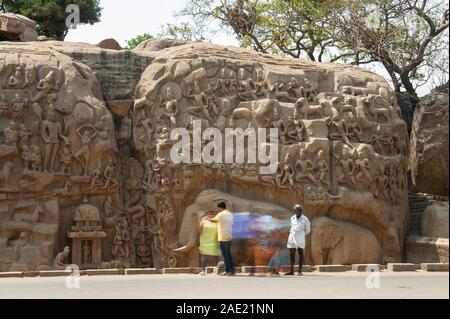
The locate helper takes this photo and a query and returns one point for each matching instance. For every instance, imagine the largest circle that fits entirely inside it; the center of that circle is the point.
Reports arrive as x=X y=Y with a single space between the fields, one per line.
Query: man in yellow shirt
x=225 y=236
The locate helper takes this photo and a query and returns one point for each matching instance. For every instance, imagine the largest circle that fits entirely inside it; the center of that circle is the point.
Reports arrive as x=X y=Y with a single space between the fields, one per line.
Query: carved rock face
x=347 y=115
x=56 y=142
x=342 y=151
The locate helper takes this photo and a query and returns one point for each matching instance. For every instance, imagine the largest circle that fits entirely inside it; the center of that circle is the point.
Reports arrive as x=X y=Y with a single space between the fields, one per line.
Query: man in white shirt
x=300 y=227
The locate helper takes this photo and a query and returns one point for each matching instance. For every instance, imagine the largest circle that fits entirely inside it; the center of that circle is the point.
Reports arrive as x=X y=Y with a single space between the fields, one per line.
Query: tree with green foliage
x=407 y=37
x=131 y=44
x=50 y=15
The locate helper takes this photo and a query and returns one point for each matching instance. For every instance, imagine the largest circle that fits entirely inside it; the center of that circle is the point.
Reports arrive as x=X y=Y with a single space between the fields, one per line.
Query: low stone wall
x=417 y=204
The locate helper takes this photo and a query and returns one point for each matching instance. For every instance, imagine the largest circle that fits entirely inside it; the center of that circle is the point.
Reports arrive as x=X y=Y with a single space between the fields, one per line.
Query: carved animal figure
x=343 y=243
x=307 y=110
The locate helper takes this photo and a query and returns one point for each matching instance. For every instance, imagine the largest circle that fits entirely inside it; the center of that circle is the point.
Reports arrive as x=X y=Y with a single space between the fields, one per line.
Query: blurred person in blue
x=300 y=227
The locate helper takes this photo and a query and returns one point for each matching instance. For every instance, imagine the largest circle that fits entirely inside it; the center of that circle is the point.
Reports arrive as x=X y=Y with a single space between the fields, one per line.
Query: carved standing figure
x=246 y=87
x=4 y=108
x=322 y=164
x=51 y=132
x=172 y=106
x=83 y=154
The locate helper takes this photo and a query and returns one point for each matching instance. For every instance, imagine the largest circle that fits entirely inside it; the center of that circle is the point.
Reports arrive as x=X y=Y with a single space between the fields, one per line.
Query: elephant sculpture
x=342 y=243
x=243 y=250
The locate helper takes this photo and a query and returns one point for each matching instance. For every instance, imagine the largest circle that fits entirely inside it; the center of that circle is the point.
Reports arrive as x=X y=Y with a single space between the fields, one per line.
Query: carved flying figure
x=83 y=155
x=200 y=102
x=172 y=106
x=51 y=132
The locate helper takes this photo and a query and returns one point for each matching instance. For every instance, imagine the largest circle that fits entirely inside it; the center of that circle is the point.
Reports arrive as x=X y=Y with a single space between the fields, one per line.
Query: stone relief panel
x=342 y=142
x=57 y=153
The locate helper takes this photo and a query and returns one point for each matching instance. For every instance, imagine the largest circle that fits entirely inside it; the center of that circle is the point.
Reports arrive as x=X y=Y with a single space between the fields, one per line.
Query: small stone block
x=30 y=274
x=104 y=272
x=141 y=271
x=434 y=266
x=332 y=268
x=167 y=271
x=54 y=273
x=366 y=267
x=12 y=274
x=402 y=267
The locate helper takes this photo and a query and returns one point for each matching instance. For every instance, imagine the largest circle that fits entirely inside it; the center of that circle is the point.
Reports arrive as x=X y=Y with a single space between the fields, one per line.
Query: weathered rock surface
x=429 y=144
x=15 y=27
x=435 y=220
x=113 y=189
x=158 y=44
x=109 y=44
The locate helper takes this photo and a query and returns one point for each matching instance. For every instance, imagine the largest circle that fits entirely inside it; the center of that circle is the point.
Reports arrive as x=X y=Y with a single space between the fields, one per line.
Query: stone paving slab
x=103 y=272
x=11 y=274
x=434 y=267
x=402 y=267
x=332 y=268
x=54 y=273
x=142 y=271
x=364 y=267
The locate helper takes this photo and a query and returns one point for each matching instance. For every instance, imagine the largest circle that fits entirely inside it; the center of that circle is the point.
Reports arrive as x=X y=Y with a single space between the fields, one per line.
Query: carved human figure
x=24 y=136
x=86 y=251
x=83 y=154
x=364 y=176
x=61 y=259
x=347 y=165
x=308 y=91
x=261 y=85
x=200 y=102
x=295 y=89
x=12 y=134
x=172 y=106
x=121 y=238
x=18 y=106
x=225 y=84
x=303 y=168
x=246 y=87
x=278 y=123
x=26 y=156
x=36 y=158
x=96 y=176
x=222 y=119
x=17 y=80
x=288 y=177
x=45 y=88
x=149 y=128
x=4 y=108
x=339 y=124
x=51 y=132
x=109 y=175
x=5 y=173
x=322 y=165
x=65 y=158
x=213 y=102
x=143 y=248
x=295 y=129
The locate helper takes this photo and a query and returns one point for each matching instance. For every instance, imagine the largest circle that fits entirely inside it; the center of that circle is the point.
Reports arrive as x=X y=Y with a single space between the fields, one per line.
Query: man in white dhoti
x=300 y=227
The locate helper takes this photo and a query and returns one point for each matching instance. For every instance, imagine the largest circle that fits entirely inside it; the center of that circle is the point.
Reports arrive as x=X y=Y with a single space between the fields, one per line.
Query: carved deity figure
x=86 y=251
x=246 y=87
x=347 y=166
x=364 y=176
x=278 y=123
x=83 y=154
x=303 y=168
x=26 y=156
x=172 y=106
x=51 y=131
x=225 y=84
x=24 y=136
x=287 y=179
x=121 y=238
x=36 y=158
x=200 y=102
x=295 y=129
x=109 y=175
x=338 y=123
x=295 y=89
x=18 y=80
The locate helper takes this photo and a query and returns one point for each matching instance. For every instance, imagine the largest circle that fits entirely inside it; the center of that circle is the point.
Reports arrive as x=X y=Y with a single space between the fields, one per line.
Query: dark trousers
x=206 y=261
x=225 y=248
x=300 y=259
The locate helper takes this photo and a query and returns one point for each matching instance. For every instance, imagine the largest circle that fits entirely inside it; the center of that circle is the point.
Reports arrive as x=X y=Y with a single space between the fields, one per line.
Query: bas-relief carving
x=341 y=153
x=49 y=156
x=334 y=145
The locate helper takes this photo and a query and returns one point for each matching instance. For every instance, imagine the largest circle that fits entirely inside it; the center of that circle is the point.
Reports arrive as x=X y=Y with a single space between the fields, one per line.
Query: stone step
x=367 y=267
x=142 y=271
x=434 y=266
x=402 y=267
x=104 y=272
x=332 y=268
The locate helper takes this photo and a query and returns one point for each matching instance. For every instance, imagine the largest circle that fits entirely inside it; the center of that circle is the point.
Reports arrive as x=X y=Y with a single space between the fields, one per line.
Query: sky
x=123 y=20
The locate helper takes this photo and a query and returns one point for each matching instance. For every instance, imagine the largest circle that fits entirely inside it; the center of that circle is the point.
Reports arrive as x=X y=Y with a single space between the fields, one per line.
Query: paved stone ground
x=311 y=285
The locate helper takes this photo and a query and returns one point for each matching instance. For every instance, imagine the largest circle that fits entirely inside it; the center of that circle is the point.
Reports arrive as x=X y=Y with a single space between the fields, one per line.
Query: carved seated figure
x=4 y=109
x=45 y=88
x=18 y=80
x=303 y=169
x=308 y=92
x=246 y=87
x=200 y=102
x=61 y=259
x=295 y=130
x=262 y=87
